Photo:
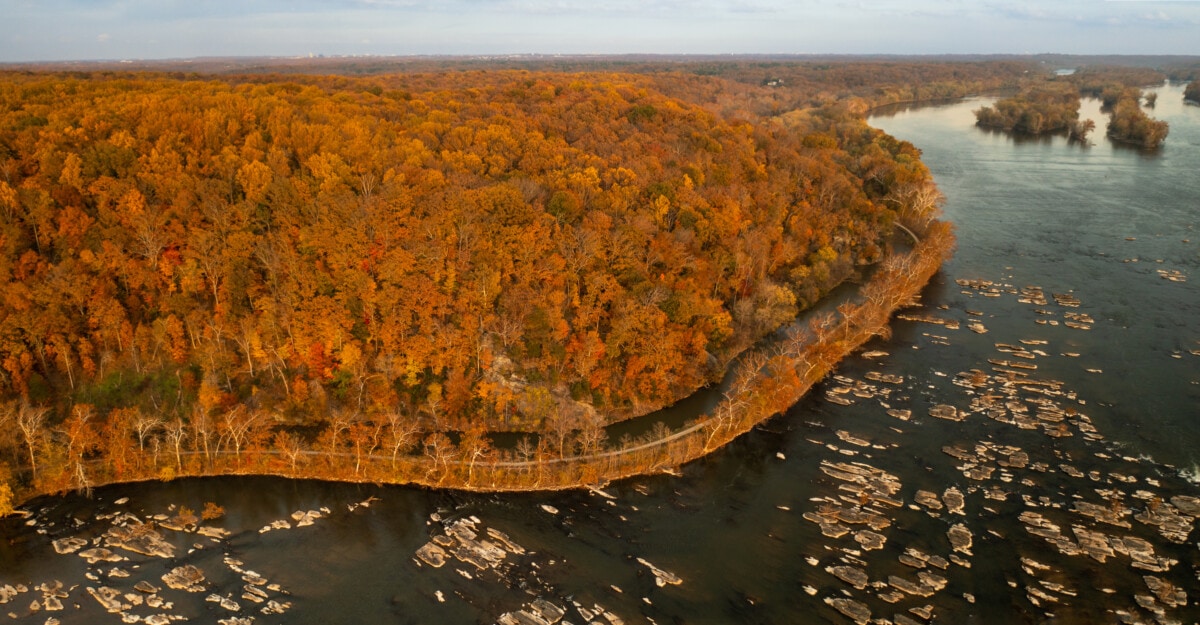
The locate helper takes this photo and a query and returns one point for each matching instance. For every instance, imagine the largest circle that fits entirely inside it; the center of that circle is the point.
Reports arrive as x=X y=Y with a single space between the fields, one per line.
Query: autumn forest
x=240 y=273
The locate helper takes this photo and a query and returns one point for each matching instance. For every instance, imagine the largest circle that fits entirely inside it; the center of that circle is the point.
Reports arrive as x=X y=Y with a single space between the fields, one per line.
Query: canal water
x=1061 y=341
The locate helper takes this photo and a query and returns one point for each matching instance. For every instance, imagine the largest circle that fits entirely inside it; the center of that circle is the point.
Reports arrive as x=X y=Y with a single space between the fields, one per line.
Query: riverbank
x=767 y=382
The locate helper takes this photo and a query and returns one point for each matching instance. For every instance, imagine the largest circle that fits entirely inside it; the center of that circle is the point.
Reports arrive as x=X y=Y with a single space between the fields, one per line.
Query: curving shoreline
x=768 y=381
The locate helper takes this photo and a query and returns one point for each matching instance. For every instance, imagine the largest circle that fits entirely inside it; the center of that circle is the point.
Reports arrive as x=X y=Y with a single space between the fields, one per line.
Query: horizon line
x=315 y=56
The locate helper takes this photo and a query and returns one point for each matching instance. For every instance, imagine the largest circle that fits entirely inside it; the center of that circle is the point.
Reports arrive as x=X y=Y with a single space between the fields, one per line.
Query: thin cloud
x=180 y=28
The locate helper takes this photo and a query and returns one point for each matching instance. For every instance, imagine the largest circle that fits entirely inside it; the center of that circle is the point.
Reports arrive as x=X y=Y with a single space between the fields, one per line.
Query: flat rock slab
x=856 y=577
x=947 y=412
x=70 y=544
x=186 y=577
x=954 y=500
x=854 y=610
x=100 y=554
x=432 y=555
x=928 y=499
x=960 y=538
x=869 y=540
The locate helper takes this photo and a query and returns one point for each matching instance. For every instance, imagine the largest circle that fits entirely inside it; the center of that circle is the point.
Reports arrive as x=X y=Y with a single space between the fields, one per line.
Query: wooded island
x=1044 y=108
x=1051 y=106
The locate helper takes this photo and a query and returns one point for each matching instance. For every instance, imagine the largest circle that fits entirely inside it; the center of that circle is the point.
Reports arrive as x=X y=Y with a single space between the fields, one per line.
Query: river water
x=1075 y=456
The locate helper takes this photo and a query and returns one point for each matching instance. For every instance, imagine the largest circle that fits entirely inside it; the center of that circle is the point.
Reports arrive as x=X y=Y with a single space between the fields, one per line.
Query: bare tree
x=80 y=480
x=366 y=185
x=917 y=203
x=291 y=446
x=236 y=427
x=145 y=425
x=724 y=417
x=747 y=373
x=591 y=436
x=201 y=426
x=441 y=450
x=208 y=248
x=177 y=432
x=30 y=421
x=339 y=423
x=400 y=434
x=526 y=449
x=81 y=439
x=475 y=445
x=364 y=436
x=247 y=339
x=279 y=366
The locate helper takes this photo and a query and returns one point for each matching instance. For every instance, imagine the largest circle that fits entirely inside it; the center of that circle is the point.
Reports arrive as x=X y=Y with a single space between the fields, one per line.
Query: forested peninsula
x=366 y=278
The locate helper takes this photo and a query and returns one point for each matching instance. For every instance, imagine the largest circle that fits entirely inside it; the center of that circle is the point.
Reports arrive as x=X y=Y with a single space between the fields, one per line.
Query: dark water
x=1051 y=214
x=1114 y=425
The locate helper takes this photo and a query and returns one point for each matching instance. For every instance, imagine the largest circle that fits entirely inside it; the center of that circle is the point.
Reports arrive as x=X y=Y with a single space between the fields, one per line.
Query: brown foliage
x=208 y=263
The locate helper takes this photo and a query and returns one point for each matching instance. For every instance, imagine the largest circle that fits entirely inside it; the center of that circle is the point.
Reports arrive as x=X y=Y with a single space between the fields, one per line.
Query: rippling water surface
x=1074 y=454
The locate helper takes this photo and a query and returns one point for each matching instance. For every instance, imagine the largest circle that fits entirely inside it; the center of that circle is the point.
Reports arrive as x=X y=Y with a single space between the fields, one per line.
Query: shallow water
x=732 y=527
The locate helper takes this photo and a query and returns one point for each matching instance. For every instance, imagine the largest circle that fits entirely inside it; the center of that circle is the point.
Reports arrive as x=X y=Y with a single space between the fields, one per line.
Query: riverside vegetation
x=366 y=278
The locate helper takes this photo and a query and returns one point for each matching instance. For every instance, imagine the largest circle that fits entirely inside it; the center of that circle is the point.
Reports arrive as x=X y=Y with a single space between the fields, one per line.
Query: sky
x=54 y=30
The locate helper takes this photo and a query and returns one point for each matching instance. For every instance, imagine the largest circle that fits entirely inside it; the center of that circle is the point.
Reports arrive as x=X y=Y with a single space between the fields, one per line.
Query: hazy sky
x=150 y=29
